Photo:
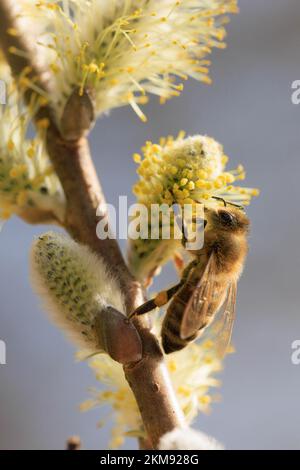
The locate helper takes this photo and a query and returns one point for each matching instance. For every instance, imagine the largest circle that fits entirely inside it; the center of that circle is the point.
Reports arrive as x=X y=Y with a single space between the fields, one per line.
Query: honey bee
x=208 y=285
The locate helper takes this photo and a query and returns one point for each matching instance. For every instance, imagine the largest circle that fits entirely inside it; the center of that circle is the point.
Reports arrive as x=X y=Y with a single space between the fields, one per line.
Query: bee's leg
x=187 y=270
x=184 y=240
x=159 y=301
x=144 y=308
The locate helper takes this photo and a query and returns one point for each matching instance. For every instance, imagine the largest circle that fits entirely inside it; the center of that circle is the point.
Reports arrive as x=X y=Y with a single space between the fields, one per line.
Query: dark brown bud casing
x=78 y=117
x=118 y=336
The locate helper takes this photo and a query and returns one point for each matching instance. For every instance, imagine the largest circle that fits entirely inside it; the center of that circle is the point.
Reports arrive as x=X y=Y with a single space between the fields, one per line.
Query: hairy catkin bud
x=188 y=439
x=82 y=297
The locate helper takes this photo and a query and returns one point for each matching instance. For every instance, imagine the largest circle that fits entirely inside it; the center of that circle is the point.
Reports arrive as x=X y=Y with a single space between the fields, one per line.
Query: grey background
x=249 y=110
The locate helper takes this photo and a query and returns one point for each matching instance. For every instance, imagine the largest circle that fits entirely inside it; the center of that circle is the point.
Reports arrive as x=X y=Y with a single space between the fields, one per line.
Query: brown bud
x=78 y=116
x=73 y=443
x=118 y=336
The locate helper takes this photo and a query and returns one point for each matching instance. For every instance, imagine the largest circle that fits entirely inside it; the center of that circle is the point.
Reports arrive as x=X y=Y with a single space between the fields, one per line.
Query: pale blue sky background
x=249 y=110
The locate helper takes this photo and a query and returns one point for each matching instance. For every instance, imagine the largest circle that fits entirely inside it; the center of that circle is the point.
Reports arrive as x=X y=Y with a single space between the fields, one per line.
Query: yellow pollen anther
x=13 y=32
x=205 y=400
x=255 y=192
x=183 y=181
x=200 y=184
x=184 y=391
x=31 y=152
x=161 y=299
x=22 y=199
x=17 y=171
x=43 y=123
x=172 y=366
x=10 y=145
x=137 y=158
x=202 y=174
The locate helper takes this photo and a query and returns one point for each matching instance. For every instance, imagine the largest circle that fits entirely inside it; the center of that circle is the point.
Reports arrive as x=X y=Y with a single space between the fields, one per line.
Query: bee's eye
x=226 y=218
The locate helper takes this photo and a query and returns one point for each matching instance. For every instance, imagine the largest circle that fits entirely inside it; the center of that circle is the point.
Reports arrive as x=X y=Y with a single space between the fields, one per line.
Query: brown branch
x=148 y=378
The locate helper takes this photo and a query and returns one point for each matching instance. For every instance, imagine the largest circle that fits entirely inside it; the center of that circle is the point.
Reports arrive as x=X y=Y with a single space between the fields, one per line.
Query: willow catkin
x=75 y=286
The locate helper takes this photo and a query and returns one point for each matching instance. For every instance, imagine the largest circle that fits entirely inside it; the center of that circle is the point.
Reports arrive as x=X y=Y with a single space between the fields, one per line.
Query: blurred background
x=249 y=110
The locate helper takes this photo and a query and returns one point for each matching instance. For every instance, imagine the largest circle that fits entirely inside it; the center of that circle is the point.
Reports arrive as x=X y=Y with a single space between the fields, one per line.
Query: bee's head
x=227 y=219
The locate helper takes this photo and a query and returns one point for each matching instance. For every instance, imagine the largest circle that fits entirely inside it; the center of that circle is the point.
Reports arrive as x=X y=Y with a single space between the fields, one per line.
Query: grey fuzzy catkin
x=75 y=286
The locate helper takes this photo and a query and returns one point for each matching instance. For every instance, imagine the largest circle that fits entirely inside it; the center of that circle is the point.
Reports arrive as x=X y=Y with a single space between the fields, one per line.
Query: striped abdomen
x=170 y=332
x=171 y=338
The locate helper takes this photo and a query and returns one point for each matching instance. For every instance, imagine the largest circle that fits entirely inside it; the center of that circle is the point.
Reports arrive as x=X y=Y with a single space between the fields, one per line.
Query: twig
x=73 y=443
x=148 y=378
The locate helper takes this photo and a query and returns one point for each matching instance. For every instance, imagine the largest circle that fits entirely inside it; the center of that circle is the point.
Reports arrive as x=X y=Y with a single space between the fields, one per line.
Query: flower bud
x=183 y=172
x=82 y=297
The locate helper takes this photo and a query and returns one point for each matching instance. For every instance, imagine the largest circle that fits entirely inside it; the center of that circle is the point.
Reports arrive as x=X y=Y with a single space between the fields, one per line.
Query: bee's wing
x=197 y=308
x=222 y=328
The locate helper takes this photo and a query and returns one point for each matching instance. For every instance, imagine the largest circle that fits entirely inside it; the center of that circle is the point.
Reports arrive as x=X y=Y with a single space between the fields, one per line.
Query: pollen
x=184 y=391
x=193 y=169
x=180 y=171
x=183 y=181
x=205 y=400
x=137 y=158
x=202 y=174
x=12 y=32
x=22 y=198
x=43 y=123
x=192 y=379
x=172 y=366
x=139 y=47
x=23 y=160
x=200 y=184
x=161 y=299
x=17 y=171
x=10 y=145
x=31 y=152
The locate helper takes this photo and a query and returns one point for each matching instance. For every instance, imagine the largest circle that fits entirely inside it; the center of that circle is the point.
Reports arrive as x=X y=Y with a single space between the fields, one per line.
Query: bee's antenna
x=227 y=203
x=220 y=199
